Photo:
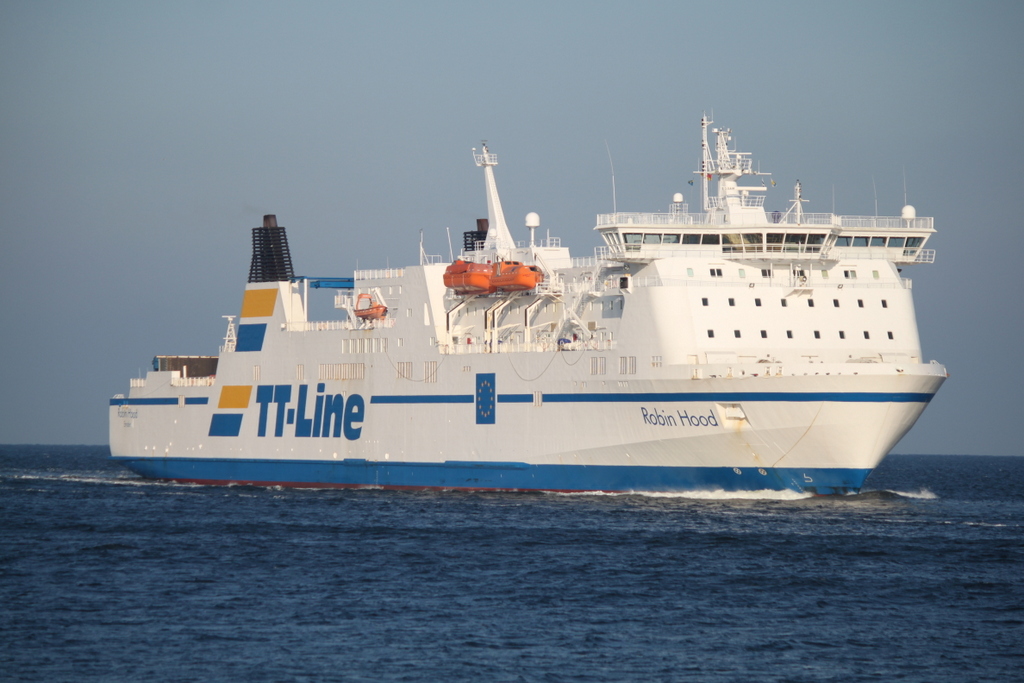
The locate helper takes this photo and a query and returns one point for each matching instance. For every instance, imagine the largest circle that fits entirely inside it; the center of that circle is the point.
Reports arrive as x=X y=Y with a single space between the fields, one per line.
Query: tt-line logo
x=332 y=416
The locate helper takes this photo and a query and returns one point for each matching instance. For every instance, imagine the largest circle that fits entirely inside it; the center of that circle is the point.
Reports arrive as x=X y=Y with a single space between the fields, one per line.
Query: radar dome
x=909 y=213
x=677 y=198
x=533 y=219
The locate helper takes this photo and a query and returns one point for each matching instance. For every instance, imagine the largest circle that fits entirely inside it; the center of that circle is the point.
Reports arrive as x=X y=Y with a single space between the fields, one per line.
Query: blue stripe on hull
x=492 y=476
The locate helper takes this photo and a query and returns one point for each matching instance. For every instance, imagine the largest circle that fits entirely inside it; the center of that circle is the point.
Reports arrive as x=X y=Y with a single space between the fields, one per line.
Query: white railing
x=546 y=346
x=885 y=222
x=193 y=381
x=773 y=218
x=330 y=325
x=380 y=274
x=925 y=256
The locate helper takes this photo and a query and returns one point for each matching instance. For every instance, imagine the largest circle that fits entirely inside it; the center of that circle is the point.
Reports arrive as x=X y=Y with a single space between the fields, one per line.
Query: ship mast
x=498 y=236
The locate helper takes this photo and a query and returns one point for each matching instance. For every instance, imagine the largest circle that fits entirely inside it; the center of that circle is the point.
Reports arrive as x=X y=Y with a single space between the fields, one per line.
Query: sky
x=141 y=142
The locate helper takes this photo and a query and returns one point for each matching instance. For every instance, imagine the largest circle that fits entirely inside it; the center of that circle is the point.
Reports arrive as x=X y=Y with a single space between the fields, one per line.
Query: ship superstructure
x=731 y=349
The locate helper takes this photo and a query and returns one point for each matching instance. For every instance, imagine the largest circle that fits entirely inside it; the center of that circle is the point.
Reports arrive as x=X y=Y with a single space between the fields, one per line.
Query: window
x=757 y=302
x=652 y=239
x=743 y=273
x=736 y=333
x=716 y=272
x=689 y=272
x=915 y=241
x=835 y=302
x=810 y=303
x=711 y=334
x=691 y=239
x=860 y=241
x=842 y=241
x=710 y=239
x=850 y=274
x=789 y=334
x=817 y=334
x=824 y=275
x=704 y=301
x=633 y=238
x=764 y=334
x=897 y=241
x=890 y=335
x=842 y=335
x=732 y=302
x=885 y=304
x=867 y=335
x=766 y=272
x=860 y=303
x=878 y=241
x=670 y=239
x=784 y=303
x=874 y=274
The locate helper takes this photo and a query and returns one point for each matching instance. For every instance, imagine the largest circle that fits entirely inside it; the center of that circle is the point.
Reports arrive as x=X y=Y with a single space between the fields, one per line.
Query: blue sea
x=105 y=576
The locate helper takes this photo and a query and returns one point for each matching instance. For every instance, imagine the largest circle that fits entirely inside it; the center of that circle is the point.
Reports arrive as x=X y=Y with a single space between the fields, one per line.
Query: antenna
x=876 y=193
x=904 y=184
x=608 y=149
x=451 y=254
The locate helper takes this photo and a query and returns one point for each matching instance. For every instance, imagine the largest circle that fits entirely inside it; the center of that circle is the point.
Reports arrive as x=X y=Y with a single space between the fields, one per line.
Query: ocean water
x=108 y=577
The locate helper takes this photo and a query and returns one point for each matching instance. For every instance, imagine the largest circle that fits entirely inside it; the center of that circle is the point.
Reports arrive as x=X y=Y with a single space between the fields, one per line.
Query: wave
x=718 y=494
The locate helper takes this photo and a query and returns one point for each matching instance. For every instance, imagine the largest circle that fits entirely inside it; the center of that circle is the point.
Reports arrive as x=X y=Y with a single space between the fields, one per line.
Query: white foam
x=922 y=494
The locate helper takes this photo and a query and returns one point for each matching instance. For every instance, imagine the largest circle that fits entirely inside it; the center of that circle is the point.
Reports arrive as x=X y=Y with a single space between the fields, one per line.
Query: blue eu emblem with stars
x=485 y=398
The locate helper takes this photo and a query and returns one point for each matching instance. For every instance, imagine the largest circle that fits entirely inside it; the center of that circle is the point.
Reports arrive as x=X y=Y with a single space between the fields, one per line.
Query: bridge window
x=710 y=239
x=897 y=241
x=860 y=241
x=815 y=239
x=915 y=241
x=670 y=239
x=842 y=241
x=651 y=238
x=691 y=239
x=878 y=241
x=633 y=238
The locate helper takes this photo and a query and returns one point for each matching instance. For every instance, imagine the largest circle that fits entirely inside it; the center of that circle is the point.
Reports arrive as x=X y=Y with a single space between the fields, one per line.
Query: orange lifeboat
x=513 y=276
x=468 y=278
x=368 y=309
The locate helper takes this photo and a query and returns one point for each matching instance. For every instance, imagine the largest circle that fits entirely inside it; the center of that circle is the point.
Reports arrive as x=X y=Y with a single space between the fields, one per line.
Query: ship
x=728 y=349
